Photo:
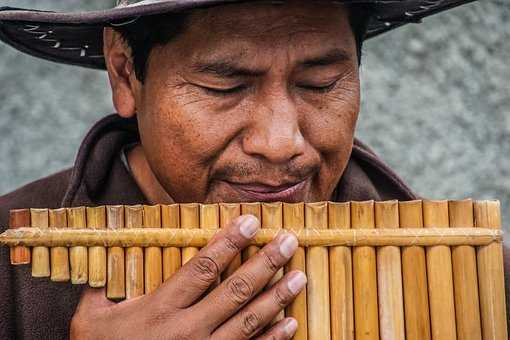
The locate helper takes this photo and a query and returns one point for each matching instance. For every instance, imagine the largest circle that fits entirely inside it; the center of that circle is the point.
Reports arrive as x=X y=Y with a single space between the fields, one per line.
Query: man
x=249 y=101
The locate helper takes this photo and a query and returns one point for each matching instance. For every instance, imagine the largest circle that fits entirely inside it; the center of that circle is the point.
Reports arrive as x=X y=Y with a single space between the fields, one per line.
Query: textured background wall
x=435 y=107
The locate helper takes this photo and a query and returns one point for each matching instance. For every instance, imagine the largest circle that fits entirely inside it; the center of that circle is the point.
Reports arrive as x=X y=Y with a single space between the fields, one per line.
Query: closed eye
x=223 y=92
x=321 y=88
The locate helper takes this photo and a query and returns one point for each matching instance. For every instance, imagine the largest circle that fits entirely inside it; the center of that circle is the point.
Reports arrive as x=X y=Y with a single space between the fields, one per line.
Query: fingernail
x=288 y=245
x=291 y=327
x=297 y=282
x=249 y=225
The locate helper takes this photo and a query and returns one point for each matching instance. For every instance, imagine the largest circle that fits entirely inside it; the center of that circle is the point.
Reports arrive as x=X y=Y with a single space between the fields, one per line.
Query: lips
x=267 y=193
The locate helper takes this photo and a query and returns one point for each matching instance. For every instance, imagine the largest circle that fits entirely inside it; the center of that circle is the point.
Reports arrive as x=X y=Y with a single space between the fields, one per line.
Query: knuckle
x=269 y=261
x=281 y=297
x=231 y=244
x=206 y=269
x=156 y=316
x=240 y=288
x=251 y=323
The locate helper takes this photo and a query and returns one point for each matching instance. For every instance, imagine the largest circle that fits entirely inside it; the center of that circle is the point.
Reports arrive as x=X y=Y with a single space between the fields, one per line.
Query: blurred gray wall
x=436 y=104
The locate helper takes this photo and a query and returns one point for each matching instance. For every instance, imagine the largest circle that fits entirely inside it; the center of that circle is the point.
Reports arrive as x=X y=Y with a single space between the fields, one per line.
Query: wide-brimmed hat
x=76 y=37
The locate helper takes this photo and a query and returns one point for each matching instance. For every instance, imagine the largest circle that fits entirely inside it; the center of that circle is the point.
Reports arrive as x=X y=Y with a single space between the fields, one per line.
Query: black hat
x=76 y=38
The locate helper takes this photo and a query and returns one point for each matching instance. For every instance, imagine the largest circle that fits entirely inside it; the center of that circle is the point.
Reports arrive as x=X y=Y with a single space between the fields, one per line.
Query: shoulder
x=387 y=184
x=46 y=192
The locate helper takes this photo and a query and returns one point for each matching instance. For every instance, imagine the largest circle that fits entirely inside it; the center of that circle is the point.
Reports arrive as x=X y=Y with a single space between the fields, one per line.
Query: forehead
x=264 y=26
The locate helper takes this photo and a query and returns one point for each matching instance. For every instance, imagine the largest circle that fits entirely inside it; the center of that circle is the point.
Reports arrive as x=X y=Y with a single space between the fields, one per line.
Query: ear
x=120 y=72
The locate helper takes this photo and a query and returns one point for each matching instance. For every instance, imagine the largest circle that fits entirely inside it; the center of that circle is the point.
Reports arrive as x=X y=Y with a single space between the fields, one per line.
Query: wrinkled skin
x=252 y=102
x=290 y=120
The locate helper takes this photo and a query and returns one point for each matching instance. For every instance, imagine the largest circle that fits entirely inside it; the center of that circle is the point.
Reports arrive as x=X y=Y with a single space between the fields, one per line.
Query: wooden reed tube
x=465 y=282
x=210 y=220
x=153 y=255
x=272 y=218
x=389 y=276
x=40 y=255
x=317 y=270
x=78 y=256
x=133 y=218
x=96 y=219
x=229 y=212
x=170 y=218
x=59 y=256
x=366 y=317
x=490 y=274
x=440 y=282
x=116 y=284
x=209 y=216
x=414 y=276
x=19 y=218
x=294 y=220
x=250 y=209
x=190 y=219
x=340 y=276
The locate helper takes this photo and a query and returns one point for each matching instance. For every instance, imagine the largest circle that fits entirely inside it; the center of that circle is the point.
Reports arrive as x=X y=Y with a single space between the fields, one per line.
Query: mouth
x=289 y=192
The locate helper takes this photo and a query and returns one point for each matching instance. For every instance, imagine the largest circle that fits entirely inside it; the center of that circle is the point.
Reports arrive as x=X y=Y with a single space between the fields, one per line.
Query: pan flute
x=389 y=270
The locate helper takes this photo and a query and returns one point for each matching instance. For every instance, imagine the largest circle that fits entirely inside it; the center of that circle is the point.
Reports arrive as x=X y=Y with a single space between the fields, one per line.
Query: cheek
x=330 y=122
x=182 y=136
x=329 y=127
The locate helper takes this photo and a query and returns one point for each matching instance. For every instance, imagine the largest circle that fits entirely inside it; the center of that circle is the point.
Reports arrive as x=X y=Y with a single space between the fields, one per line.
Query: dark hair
x=149 y=31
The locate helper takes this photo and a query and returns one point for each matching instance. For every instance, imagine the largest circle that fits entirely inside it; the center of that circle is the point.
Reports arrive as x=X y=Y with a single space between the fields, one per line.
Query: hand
x=181 y=309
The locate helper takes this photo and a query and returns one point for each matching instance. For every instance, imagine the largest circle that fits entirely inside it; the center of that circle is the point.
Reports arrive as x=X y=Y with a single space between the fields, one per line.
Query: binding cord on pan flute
x=418 y=269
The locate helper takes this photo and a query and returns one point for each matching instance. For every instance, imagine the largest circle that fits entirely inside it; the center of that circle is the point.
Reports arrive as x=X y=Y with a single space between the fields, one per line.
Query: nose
x=274 y=132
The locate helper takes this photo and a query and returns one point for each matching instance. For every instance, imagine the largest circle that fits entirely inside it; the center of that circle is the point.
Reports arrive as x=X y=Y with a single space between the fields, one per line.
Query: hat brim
x=76 y=38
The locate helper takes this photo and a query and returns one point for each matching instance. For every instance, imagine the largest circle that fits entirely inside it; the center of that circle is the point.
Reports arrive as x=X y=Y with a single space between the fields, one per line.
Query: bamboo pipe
x=59 y=256
x=228 y=212
x=133 y=218
x=40 y=254
x=414 y=276
x=19 y=218
x=153 y=255
x=366 y=319
x=138 y=237
x=389 y=276
x=96 y=219
x=467 y=305
x=317 y=270
x=116 y=283
x=442 y=306
x=294 y=220
x=210 y=220
x=209 y=217
x=340 y=276
x=190 y=218
x=170 y=218
x=78 y=255
x=255 y=210
x=490 y=274
x=272 y=218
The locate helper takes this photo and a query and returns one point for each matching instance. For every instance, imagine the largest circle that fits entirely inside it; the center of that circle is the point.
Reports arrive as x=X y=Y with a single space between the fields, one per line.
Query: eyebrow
x=228 y=68
x=334 y=56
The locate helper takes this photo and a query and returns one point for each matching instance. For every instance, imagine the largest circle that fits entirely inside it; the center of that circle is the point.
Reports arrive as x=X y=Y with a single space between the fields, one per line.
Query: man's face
x=252 y=102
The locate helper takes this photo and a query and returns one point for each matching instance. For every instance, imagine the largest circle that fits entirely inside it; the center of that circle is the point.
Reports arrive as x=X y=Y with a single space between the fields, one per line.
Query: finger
x=247 y=281
x=259 y=313
x=285 y=329
x=195 y=277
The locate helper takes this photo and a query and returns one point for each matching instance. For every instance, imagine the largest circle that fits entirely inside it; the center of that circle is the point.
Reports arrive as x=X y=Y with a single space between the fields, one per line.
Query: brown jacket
x=39 y=309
